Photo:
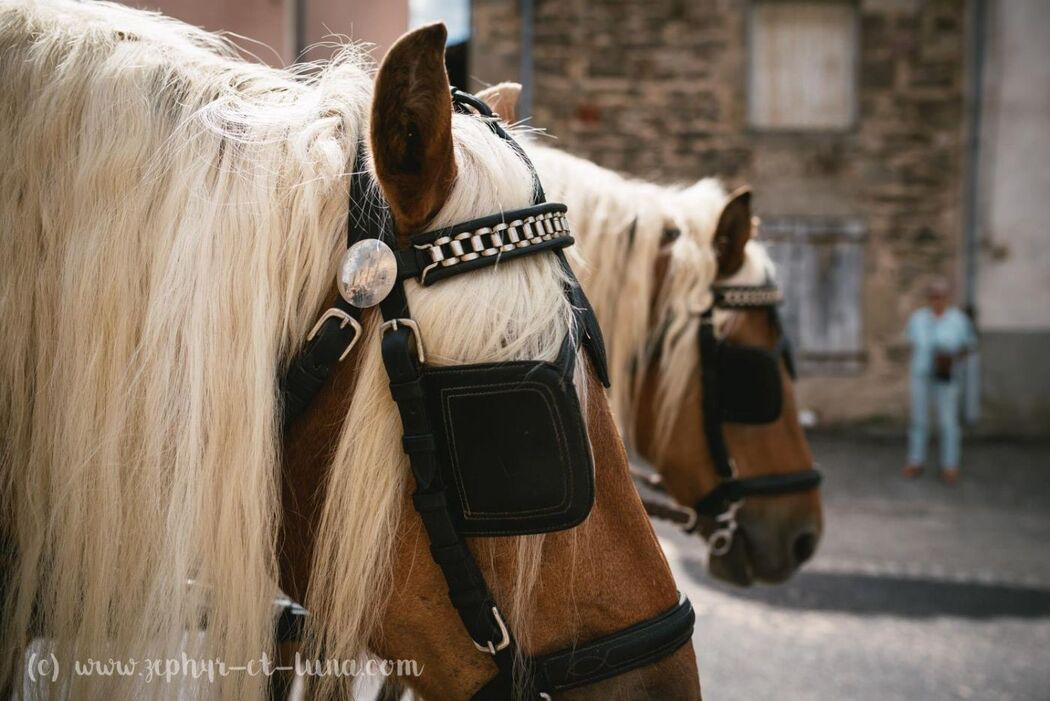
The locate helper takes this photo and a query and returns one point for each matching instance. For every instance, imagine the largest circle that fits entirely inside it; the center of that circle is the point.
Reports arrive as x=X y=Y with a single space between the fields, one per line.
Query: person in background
x=940 y=336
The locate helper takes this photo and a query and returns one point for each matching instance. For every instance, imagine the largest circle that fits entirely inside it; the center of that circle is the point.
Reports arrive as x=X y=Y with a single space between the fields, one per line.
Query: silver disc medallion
x=367 y=274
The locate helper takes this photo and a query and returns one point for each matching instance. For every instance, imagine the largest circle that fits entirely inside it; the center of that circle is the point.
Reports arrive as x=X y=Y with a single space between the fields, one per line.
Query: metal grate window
x=820 y=268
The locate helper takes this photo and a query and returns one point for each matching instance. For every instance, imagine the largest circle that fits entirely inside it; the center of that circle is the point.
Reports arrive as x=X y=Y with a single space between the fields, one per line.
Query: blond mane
x=172 y=217
x=619 y=224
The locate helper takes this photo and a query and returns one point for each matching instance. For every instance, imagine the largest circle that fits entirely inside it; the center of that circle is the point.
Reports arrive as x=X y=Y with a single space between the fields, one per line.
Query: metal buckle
x=347 y=320
x=427 y=247
x=722 y=539
x=411 y=326
x=690 y=525
x=504 y=636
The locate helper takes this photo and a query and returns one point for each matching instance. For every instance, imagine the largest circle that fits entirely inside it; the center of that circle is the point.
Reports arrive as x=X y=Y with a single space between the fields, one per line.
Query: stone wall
x=657 y=88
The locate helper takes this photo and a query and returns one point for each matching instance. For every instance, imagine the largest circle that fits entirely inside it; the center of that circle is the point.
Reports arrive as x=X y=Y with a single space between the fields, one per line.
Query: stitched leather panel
x=512 y=447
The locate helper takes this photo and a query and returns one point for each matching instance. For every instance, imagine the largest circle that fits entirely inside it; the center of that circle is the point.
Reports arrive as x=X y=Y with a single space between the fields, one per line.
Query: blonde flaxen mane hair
x=619 y=225
x=172 y=217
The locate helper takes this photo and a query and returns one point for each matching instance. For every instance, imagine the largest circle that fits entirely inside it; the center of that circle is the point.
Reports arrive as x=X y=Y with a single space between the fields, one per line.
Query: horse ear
x=411 y=129
x=733 y=232
x=503 y=99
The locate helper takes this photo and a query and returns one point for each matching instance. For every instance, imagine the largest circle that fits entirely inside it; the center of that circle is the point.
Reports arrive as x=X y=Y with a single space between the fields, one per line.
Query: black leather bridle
x=753 y=376
x=425 y=419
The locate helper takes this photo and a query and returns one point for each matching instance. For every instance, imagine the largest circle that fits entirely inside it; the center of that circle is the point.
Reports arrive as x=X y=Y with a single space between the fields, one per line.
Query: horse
x=173 y=221
x=658 y=260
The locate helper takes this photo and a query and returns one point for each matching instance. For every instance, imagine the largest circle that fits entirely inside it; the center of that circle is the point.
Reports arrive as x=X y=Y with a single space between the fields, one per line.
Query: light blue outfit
x=929 y=334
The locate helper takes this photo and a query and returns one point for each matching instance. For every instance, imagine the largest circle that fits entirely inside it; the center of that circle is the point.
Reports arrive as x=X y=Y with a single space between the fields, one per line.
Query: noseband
x=739 y=384
x=496 y=449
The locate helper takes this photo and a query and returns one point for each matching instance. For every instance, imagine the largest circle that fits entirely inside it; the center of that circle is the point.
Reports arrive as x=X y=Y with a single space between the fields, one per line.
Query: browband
x=442 y=253
x=746 y=296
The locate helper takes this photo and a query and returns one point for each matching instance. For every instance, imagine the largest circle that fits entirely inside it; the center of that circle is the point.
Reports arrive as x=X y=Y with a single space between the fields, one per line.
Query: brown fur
x=411 y=137
x=733 y=232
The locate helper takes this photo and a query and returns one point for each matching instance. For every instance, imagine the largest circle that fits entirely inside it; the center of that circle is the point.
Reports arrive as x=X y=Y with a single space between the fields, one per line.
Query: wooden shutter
x=820 y=267
x=802 y=65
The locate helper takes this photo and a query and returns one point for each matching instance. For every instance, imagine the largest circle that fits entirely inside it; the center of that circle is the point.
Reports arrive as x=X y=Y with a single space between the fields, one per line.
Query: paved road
x=918 y=591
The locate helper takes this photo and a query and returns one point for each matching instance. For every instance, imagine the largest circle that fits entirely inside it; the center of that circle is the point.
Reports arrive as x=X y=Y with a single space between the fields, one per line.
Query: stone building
x=856 y=123
x=887 y=141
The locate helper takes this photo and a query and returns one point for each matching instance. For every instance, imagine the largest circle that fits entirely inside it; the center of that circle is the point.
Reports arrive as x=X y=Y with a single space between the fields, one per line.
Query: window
x=820 y=269
x=802 y=65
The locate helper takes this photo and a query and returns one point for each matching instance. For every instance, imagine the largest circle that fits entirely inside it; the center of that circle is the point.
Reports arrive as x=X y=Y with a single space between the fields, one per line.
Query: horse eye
x=670 y=235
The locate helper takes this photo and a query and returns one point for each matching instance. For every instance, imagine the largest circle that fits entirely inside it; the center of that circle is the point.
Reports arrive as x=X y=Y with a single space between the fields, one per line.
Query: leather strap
x=333 y=336
x=461 y=100
x=718 y=499
x=602 y=658
x=711 y=403
x=608 y=656
x=466 y=586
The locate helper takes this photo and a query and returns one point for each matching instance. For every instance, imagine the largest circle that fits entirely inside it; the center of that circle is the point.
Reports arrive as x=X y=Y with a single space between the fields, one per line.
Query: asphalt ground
x=918 y=590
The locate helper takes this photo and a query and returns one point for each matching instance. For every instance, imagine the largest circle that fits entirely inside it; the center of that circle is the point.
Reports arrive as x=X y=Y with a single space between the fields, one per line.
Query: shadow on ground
x=879 y=594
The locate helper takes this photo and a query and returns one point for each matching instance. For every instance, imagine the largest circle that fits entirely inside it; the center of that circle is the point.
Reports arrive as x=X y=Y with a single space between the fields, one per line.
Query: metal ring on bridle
x=489 y=647
x=721 y=541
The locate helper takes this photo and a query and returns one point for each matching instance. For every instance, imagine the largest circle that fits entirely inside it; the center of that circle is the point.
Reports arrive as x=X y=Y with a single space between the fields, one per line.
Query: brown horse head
x=354 y=548
x=776 y=533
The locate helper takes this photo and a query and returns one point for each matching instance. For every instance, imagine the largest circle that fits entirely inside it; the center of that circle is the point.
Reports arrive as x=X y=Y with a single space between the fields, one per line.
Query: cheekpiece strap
x=461 y=101
x=710 y=400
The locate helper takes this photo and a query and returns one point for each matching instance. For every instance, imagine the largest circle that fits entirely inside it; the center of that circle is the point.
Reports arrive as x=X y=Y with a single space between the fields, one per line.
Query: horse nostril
x=804 y=547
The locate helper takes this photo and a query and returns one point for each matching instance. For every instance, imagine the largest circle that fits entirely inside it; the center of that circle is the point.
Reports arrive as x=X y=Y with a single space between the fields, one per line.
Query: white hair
x=172 y=218
x=621 y=226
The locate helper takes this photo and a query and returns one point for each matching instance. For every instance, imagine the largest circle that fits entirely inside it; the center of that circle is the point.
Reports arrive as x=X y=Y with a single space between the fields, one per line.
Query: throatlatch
x=460 y=421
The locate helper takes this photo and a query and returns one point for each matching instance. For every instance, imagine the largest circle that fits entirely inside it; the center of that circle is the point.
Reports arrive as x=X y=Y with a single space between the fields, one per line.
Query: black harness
x=496 y=449
x=756 y=397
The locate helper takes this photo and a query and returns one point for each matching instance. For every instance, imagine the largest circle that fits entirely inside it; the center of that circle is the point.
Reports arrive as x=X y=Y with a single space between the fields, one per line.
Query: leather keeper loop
x=423 y=443
x=406 y=391
x=430 y=501
x=452 y=554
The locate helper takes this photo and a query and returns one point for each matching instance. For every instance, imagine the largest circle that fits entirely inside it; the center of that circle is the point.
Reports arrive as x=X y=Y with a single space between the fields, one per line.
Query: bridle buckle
x=345 y=319
x=504 y=641
x=411 y=325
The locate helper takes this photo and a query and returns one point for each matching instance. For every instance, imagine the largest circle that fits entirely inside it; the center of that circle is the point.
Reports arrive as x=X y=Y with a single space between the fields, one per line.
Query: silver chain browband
x=447 y=251
x=747 y=296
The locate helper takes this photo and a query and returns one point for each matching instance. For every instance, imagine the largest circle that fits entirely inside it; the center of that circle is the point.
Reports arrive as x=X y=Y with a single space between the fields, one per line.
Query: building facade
x=279 y=32
x=856 y=123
